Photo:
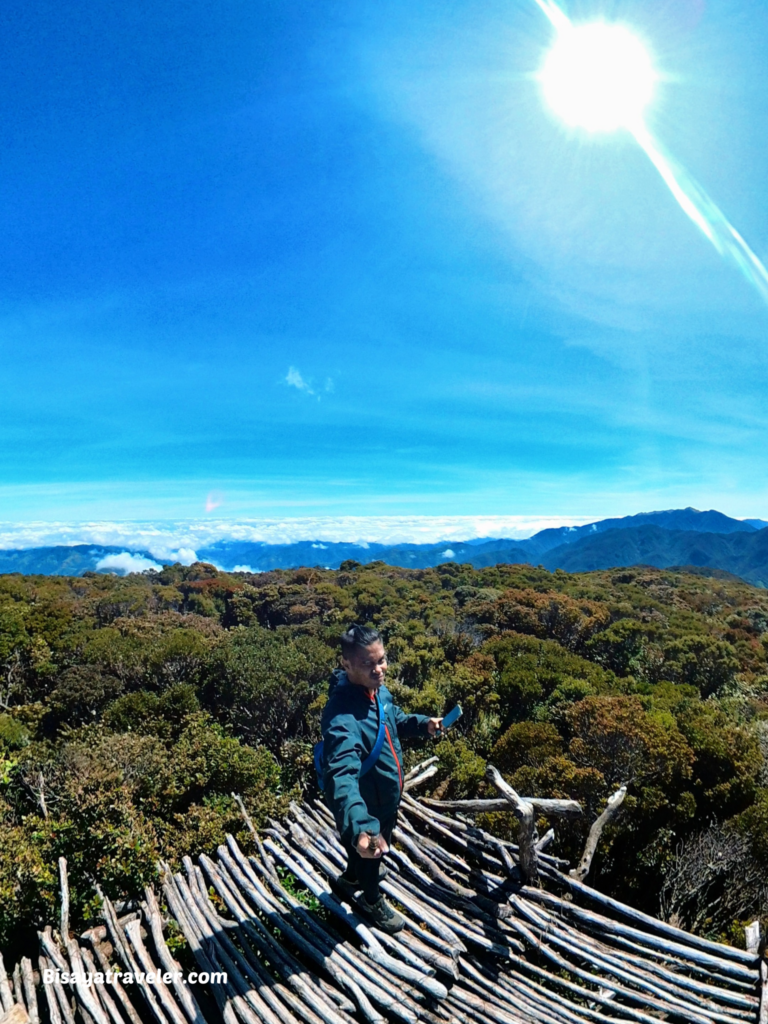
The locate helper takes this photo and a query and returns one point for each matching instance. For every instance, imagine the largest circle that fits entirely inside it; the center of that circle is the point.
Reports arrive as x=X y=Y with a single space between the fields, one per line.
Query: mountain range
x=675 y=538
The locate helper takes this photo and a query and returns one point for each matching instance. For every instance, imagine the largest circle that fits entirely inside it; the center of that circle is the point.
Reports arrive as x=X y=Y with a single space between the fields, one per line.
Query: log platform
x=484 y=942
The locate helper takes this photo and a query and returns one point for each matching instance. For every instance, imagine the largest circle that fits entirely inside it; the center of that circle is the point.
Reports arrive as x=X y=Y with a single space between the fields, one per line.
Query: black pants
x=365 y=870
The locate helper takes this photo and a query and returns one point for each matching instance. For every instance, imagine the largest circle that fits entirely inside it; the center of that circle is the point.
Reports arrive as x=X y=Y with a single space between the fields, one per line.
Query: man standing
x=362 y=787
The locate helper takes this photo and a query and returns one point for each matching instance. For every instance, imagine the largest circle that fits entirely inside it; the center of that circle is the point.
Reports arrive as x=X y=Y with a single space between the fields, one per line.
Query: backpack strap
x=373 y=757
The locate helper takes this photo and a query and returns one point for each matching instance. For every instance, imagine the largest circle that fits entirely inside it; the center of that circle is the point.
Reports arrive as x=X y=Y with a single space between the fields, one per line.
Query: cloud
x=126 y=562
x=184 y=555
x=181 y=540
x=295 y=380
x=448 y=553
x=244 y=568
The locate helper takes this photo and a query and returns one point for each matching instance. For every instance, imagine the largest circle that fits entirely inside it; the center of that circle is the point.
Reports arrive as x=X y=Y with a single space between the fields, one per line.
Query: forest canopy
x=132 y=708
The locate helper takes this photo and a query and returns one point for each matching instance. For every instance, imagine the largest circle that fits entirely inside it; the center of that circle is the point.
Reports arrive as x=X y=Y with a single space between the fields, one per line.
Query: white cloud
x=243 y=568
x=126 y=562
x=180 y=540
x=295 y=380
x=184 y=555
x=448 y=553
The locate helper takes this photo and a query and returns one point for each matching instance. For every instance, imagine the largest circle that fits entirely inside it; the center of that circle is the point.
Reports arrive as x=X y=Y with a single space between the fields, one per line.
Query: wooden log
x=487 y=938
x=64 y=1003
x=545 y=808
x=752 y=936
x=535 y=1009
x=129 y=961
x=64 y=888
x=256 y=837
x=605 y=985
x=413 y=938
x=189 y=930
x=294 y=974
x=302 y=941
x=545 y=840
x=417 y=780
x=628 y=973
x=396 y=1003
x=646 y=943
x=84 y=993
x=448 y=946
x=419 y=768
x=16 y=1015
x=249 y=1005
x=674 y=979
x=30 y=995
x=302 y=871
x=718 y=955
x=133 y=931
x=101 y=991
x=614 y=803
x=388 y=991
x=484 y=1010
x=186 y=998
x=526 y=816
x=517 y=983
x=258 y=988
x=101 y=956
x=50 y=996
x=18 y=987
x=6 y=996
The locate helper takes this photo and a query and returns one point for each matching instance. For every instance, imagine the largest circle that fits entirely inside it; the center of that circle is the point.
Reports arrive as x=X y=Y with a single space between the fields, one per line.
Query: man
x=364 y=797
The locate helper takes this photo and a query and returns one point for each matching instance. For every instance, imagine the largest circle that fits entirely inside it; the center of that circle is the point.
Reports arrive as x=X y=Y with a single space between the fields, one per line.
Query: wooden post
x=64 y=882
x=753 y=937
x=614 y=803
x=525 y=814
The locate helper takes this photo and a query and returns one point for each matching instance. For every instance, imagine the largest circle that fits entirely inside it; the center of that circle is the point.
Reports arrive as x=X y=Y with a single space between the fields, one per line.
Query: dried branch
x=525 y=814
x=614 y=803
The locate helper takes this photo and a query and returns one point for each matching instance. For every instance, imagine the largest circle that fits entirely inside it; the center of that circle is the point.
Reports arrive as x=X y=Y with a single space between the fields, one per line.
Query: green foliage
x=701 y=661
x=13 y=735
x=133 y=707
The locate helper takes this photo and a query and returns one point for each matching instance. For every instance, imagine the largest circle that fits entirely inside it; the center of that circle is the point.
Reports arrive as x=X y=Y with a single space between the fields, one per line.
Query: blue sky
x=337 y=259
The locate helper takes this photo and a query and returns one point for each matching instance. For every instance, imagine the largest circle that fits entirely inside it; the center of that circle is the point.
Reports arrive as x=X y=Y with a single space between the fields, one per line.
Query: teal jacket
x=350 y=725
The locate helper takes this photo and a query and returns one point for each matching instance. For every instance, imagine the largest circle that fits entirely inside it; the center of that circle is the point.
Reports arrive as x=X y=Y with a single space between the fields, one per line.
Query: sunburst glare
x=599 y=77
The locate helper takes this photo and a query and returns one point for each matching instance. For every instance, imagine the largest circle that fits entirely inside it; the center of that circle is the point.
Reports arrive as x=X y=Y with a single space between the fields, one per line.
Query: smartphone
x=451 y=718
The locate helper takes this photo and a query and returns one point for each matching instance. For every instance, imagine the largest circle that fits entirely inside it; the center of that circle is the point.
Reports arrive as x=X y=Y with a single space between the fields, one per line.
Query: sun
x=599 y=77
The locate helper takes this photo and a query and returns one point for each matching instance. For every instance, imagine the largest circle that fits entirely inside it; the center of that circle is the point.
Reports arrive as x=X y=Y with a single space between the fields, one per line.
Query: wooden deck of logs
x=496 y=933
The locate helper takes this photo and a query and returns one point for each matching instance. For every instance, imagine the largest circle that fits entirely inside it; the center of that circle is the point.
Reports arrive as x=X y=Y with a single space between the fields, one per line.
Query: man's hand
x=371 y=847
x=434 y=726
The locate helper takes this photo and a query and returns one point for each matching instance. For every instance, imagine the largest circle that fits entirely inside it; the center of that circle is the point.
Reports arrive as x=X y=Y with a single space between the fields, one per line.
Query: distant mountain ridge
x=676 y=537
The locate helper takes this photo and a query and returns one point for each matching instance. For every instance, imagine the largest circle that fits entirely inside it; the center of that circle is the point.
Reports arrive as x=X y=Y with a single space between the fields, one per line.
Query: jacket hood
x=338 y=678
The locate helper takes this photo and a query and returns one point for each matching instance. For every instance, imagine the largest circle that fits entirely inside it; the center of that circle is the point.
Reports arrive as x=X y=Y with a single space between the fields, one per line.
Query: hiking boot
x=349 y=886
x=381 y=915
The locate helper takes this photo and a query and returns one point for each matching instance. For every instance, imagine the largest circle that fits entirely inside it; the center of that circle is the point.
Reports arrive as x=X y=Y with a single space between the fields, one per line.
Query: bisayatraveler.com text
x=90 y=978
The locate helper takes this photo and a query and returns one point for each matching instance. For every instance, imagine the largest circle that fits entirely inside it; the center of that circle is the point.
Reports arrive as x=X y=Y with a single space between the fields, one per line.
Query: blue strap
x=372 y=758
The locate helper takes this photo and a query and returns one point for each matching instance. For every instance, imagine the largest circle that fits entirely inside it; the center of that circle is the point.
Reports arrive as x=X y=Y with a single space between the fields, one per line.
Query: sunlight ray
x=690 y=196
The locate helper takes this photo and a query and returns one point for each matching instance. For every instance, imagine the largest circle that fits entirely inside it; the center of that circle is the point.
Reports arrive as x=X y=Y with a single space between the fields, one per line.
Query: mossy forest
x=133 y=708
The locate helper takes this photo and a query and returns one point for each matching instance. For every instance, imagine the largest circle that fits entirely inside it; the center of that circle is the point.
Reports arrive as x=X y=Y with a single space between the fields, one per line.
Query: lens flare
x=600 y=78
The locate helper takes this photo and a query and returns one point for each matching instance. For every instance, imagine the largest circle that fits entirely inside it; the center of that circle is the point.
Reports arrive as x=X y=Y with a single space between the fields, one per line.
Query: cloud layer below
x=179 y=540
